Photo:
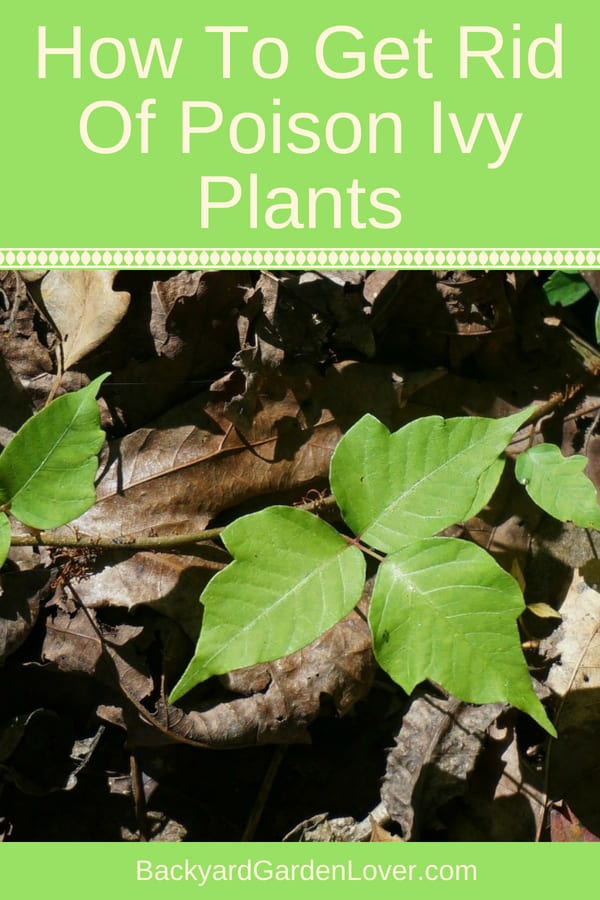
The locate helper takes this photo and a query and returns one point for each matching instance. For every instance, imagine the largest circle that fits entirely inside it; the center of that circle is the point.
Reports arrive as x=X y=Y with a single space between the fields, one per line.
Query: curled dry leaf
x=337 y=668
x=192 y=319
x=84 y=308
x=284 y=697
x=436 y=750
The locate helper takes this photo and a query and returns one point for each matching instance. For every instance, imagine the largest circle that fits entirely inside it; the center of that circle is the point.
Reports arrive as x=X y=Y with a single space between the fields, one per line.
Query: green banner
x=219 y=871
x=332 y=134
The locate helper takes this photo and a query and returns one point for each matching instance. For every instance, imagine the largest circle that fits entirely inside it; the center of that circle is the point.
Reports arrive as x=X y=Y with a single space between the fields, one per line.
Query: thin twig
x=263 y=794
x=139 y=796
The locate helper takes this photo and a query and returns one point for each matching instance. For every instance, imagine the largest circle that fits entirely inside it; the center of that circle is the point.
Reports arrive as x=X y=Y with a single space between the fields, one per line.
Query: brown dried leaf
x=72 y=644
x=24 y=584
x=379 y=833
x=169 y=582
x=505 y=800
x=193 y=313
x=25 y=356
x=174 y=478
x=84 y=309
x=565 y=827
x=336 y=669
x=574 y=775
x=575 y=645
x=436 y=750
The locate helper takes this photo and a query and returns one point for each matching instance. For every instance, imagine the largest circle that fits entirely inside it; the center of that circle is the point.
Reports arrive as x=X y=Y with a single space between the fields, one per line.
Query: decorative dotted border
x=427 y=258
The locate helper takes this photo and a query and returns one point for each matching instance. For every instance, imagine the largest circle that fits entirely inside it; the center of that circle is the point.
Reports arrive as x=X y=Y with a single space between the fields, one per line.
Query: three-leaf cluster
x=441 y=608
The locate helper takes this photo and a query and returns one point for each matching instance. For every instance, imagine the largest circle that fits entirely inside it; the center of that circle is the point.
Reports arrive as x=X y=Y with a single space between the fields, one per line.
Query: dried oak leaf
x=84 y=308
x=284 y=696
x=169 y=582
x=436 y=750
x=177 y=476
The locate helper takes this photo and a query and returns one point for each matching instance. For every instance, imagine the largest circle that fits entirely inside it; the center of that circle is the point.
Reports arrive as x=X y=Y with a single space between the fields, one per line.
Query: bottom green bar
x=222 y=871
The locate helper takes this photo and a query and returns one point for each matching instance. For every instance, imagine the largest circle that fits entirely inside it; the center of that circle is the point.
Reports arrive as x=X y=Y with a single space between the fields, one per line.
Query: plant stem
x=160 y=542
x=355 y=542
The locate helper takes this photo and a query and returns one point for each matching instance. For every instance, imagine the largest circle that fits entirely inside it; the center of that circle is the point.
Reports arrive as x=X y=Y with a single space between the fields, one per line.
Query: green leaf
x=4 y=538
x=557 y=484
x=47 y=471
x=292 y=578
x=564 y=288
x=488 y=483
x=393 y=488
x=443 y=609
x=597 y=323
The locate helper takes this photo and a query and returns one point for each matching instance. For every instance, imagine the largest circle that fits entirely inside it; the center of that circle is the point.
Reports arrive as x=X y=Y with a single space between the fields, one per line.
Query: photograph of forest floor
x=227 y=392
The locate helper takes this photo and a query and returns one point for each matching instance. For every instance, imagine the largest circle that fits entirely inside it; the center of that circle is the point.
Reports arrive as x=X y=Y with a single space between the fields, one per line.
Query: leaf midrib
x=35 y=472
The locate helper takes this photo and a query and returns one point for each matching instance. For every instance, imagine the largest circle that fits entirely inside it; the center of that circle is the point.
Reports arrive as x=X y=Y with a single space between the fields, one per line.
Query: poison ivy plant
x=558 y=485
x=47 y=471
x=441 y=608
